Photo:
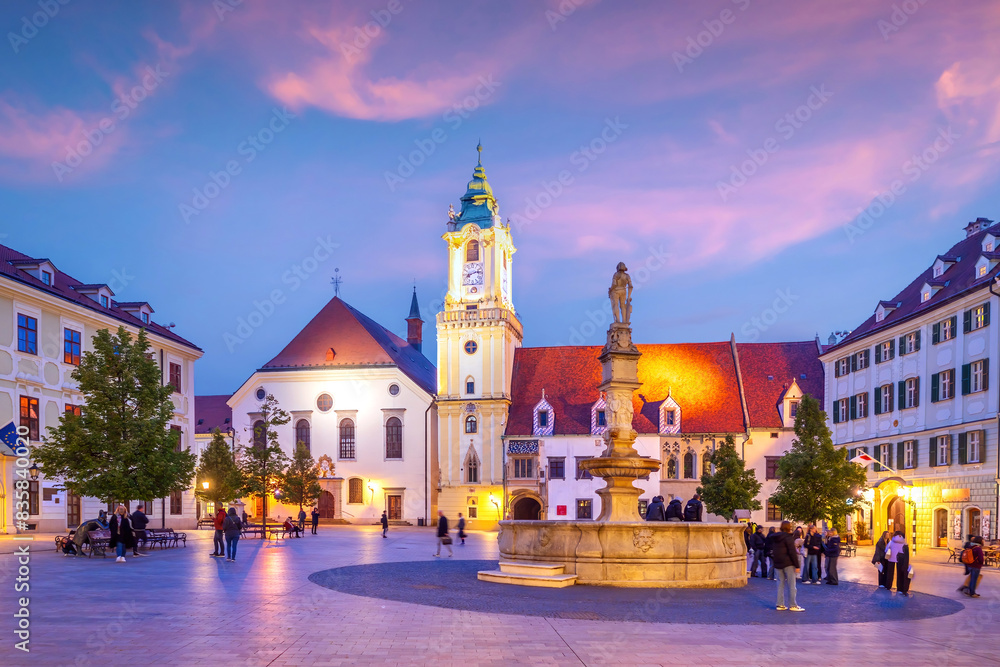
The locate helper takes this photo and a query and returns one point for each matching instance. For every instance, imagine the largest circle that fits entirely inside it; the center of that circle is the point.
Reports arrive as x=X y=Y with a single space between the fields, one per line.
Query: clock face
x=473 y=274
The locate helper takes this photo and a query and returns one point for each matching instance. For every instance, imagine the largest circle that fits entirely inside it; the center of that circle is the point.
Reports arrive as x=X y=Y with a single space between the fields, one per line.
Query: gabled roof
x=768 y=370
x=66 y=287
x=356 y=340
x=961 y=278
x=211 y=412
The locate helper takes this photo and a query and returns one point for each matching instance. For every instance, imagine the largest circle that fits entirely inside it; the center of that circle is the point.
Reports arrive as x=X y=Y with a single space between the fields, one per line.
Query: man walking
x=220 y=540
x=315 y=518
x=814 y=547
x=757 y=544
x=385 y=526
x=442 y=535
x=692 y=511
x=139 y=523
x=786 y=564
x=461 y=527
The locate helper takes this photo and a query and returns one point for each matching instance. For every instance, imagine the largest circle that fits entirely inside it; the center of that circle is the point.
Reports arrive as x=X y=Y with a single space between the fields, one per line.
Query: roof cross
x=335 y=281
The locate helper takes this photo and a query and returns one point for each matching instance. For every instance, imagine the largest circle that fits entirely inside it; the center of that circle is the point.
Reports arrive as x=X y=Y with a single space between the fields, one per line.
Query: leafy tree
x=732 y=487
x=121 y=447
x=815 y=479
x=218 y=467
x=300 y=483
x=263 y=462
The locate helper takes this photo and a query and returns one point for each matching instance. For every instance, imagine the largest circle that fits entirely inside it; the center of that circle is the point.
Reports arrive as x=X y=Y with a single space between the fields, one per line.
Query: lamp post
x=908 y=494
x=231 y=432
x=33 y=472
x=496 y=505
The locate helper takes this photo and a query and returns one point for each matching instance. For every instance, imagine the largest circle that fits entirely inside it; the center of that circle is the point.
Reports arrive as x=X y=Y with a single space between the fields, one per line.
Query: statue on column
x=621 y=295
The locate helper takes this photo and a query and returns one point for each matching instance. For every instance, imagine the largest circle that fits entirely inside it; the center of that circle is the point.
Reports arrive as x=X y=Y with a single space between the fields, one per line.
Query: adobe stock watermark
x=786 y=126
x=758 y=324
x=363 y=35
x=563 y=11
x=223 y=7
x=293 y=278
x=249 y=149
x=31 y=25
x=698 y=43
x=427 y=146
x=899 y=17
x=912 y=169
x=121 y=109
x=581 y=158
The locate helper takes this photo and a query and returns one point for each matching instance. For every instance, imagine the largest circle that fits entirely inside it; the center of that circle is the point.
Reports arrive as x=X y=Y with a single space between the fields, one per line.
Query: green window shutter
x=933 y=452
x=916 y=343
x=986 y=314
x=854 y=407
x=878 y=401
x=902 y=394
x=899 y=455
x=951 y=383
x=916 y=453
x=935 y=380
x=892 y=348
x=954 y=325
x=986 y=374
x=982 y=446
x=889 y=408
x=854 y=362
x=962 y=447
x=966 y=379
x=967 y=321
x=902 y=345
x=936 y=333
x=916 y=392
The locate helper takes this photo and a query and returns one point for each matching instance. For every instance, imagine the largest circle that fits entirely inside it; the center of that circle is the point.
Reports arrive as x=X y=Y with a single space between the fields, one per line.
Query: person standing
x=442 y=534
x=769 y=552
x=786 y=563
x=461 y=527
x=218 y=541
x=896 y=546
x=903 y=571
x=878 y=558
x=757 y=543
x=832 y=551
x=385 y=524
x=302 y=519
x=814 y=547
x=315 y=518
x=122 y=537
x=692 y=511
x=139 y=523
x=233 y=528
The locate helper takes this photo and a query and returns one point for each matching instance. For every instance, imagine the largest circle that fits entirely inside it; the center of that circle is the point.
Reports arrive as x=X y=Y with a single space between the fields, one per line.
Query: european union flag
x=9 y=437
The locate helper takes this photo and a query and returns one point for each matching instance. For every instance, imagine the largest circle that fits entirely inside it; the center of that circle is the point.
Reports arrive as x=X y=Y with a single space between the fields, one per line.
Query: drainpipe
x=427 y=488
x=996 y=507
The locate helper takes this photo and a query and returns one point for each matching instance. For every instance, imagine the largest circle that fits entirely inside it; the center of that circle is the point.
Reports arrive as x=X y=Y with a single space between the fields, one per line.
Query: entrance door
x=72 y=510
x=395 y=507
x=975 y=522
x=941 y=526
x=527 y=509
x=326 y=505
x=258 y=507
x=896 y=515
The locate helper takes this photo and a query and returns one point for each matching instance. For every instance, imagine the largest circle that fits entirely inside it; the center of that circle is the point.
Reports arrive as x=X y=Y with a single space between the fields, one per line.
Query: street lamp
x=909 y=495
x=496 y=505
x=33 y=472
x=231 y=432
x=204 y=485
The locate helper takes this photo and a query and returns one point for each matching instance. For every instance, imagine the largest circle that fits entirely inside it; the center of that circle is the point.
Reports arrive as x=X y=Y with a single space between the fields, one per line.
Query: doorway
x=975 y=521
x=326 y=508
x=896 y=516
x=258 y=507
x=395 y=507
x=941 y=527
x=72 y=510
x=527 y=509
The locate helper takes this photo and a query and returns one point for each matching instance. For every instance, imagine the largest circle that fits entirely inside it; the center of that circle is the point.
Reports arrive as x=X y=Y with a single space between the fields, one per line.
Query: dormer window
x=988 y=242
x=47 y=277
x=981 y=272
x=598 y=417
x=544 y=418
x=104 y=301
x=145 y=318
x=984 y=266
x=793 y=409
x=670 y=415
x=938 y=270
x=601 y=418
x=925 y=296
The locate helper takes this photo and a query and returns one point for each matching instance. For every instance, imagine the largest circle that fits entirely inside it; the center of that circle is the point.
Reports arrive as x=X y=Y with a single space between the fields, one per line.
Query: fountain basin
x=639 y=554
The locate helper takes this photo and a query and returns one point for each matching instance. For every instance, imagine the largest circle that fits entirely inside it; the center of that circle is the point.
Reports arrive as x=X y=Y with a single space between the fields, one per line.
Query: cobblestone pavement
x=181 y=607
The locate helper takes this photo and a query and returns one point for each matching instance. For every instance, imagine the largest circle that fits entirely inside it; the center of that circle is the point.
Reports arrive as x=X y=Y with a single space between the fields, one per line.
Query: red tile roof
x=356 y=340
x=960 y=278
x=63 y=287
x=768 y=369
x=211 y=412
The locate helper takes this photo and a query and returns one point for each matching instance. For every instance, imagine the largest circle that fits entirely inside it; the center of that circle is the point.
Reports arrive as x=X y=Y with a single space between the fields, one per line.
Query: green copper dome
x=478 y=203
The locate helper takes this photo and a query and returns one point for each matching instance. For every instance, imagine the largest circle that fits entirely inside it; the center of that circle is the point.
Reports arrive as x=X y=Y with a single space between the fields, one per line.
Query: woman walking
x=878 y=559
x=786 y=564
x=122 y=537
x=233 y=528
x=896 y=546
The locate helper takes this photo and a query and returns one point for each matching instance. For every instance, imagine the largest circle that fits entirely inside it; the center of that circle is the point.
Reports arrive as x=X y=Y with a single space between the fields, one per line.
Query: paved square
x=181 y=607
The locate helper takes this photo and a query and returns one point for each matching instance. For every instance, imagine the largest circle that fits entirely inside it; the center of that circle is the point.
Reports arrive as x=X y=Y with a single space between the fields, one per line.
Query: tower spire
x=479 y=148
x=414 y=324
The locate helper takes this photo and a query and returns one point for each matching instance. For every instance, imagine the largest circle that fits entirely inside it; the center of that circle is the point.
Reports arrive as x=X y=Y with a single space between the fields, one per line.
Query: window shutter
x=967 y=321
x=986 y=374
x=916 y=342
x=951 y=442
x=902 y=345
x=916 y=453
x=986 y=314
x=933 y=452
x=889 y=408
x=982 y=446
x=878 y=354
x=954 y=325
x=966 y=379
x=962 y=447
x=836 y=412
x=936 y=333
x=892 y=348
x=836 y=369
x=854 y=362
x=951 y=383
x=902 y=394
x=867 y=403
x=916 y=392
x=935 y=380
x=878 y=401
x=854 y=407
x=899 y=455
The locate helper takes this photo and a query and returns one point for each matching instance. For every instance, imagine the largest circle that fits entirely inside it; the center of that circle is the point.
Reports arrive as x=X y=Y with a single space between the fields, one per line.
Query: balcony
x=479 y=315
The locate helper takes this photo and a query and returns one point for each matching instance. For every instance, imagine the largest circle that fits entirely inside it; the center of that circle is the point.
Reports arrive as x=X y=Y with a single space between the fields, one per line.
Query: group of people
x=815 y=548
x=443 y=536
x=674 y=510
x=127 y=532
x=892 y=560
x=228 y=529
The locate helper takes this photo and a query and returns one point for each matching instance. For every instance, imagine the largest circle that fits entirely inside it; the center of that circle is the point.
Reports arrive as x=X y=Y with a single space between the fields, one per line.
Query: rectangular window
x=584 y=508
x=841 y=367
x=33 y=499
x=977 y=318
x=104 y=303
x=793 y=408
x=27 y=334
x=909 y=453
x=145 y=318
x=74 y=410
x=543 y=418
x=47 y=277
x=862 y=359
x=910 y=393
x=977 y=376
x=671 y=417
x=771 y=467
x=523 y=468
x=946 y=385
x=602 y=419
x=473 y=512
x=580 y=472
x=909 y=343
x=885 y=351
x=944 y=330
x=176 y=506
x=557 y=468
x=943 y=450
x=885 y=455
x=71 y=347
x=841 y=408
x=774 y=512
x=29 y=417
x=355 y=491
x=175 y=377
x=470 y=387
x=974 y=446
x=177 y=443
x=861 y=401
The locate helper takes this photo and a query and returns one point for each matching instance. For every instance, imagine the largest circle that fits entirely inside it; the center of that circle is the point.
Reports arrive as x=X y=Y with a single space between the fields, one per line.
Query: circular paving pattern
x=452 y=584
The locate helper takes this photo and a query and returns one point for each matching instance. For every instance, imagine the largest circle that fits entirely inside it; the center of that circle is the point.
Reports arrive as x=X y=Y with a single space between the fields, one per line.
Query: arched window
x=471 y=424
x=346 y=439
x=470 y=385
x=259 y=434
x=472 y=251
x=302 y=434
x=689 y=466
x=355 y=491
x=393 y=438
x=706 y=466
x=672 y=468
x=472 y=468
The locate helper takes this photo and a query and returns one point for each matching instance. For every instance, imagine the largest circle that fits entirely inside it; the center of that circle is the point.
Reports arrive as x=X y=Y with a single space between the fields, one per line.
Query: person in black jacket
x=769 y=552
x=786 y=564
x=655 y=511
x=757 y=544
x=692 y=511
x=139 y=523
x=814 y=547
x=442 y=534
x=878 y=558
x=122 y=537
x=675 y=511
x=832 y=552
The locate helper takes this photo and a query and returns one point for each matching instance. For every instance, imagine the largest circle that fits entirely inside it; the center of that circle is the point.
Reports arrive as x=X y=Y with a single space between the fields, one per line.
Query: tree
x=121 y=447
x=263 y=462
x=732 y=487
x=815 y=479
x=218 y=467
x=300 y=483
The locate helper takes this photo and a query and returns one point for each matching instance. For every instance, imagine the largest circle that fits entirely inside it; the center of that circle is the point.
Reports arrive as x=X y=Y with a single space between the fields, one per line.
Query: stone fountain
x=619 y=548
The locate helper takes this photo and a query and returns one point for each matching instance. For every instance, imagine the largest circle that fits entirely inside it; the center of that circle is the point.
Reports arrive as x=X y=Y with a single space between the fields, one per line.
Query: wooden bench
x=207 y=522
x=848 y=550
x=251 y=529
x=165 y=537
x=99 y=541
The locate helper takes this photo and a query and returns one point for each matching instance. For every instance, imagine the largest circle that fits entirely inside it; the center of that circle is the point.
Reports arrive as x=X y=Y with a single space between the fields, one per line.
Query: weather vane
x=335 y=281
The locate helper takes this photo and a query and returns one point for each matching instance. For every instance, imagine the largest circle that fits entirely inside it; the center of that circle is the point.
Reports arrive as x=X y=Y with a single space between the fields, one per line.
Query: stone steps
x=544 y=575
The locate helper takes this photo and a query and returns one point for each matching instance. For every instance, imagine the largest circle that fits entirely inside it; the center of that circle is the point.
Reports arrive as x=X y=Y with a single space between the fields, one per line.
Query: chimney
x=977 y=226
x=414 y=325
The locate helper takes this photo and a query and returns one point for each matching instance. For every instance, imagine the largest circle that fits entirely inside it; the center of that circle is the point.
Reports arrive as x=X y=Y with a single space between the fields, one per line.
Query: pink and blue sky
x=645 y=109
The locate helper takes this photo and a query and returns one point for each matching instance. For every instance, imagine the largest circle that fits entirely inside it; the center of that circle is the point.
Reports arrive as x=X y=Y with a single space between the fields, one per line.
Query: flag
x=8 y=435
x=863 y=459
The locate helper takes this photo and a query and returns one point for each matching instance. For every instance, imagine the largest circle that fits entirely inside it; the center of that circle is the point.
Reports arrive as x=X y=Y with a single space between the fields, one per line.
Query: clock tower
x=477 y=334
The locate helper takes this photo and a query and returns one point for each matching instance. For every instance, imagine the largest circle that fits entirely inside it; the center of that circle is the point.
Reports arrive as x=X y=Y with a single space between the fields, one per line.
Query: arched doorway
x=941 y=527
x=326 y=508
x=896 y=516
x=973 y=521
x=527 y=509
